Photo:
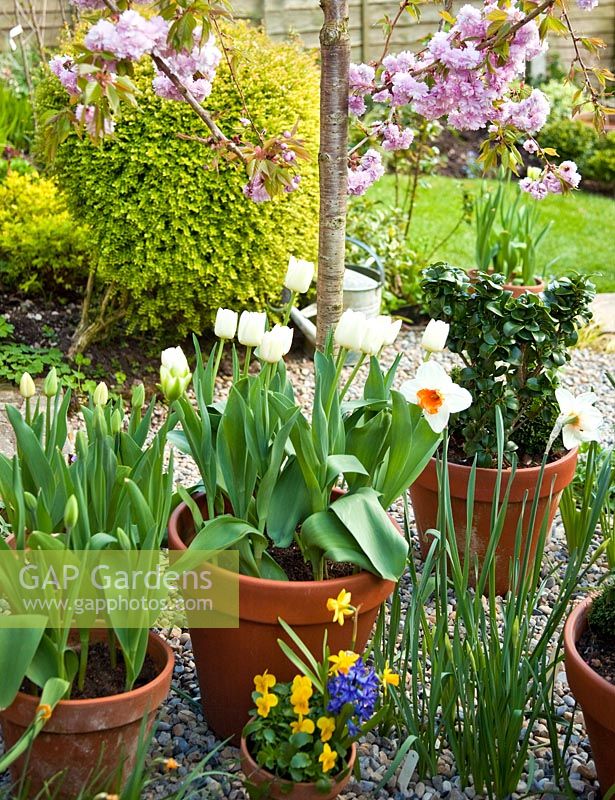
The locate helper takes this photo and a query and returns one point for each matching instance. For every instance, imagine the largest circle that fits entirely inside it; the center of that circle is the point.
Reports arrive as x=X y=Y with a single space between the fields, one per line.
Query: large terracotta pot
x=227 y=659
x=424 y=494
x=87 y=738
x=595 y=695
x=278 y=789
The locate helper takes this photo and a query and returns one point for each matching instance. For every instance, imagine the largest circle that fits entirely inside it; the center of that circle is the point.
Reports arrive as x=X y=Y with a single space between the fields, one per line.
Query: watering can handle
x=377 y=261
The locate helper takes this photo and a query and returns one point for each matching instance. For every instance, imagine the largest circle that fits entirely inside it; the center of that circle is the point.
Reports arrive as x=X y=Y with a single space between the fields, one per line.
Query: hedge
x=169 y=228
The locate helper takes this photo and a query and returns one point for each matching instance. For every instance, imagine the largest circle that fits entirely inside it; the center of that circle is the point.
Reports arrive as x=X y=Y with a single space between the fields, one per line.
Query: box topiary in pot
x=511 y=349
x=81 y=693
x=589 y=643
x=271 y=476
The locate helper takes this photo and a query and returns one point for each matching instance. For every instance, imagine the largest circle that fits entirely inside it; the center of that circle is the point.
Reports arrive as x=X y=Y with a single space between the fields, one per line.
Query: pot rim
x=576 y=624
x=334 y=585
x=284 y=781
x=527 y=471
x=538 y=285
x=154 y=642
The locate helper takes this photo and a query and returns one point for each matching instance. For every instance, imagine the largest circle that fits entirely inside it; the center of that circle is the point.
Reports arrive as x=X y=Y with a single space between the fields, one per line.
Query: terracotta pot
x=424 y=495
x=278 y=789
x=537 y=287
x=595 y=695
x=88 y=738
x=227 y=659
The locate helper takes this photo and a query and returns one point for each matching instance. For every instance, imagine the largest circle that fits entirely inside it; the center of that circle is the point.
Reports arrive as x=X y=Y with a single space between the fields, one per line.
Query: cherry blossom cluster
x=550 y=180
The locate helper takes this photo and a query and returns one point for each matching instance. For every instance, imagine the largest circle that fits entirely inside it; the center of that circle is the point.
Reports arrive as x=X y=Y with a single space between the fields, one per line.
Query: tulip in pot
x=510 y=350
x=271 y=476
x=589 y=643
x=73 y=706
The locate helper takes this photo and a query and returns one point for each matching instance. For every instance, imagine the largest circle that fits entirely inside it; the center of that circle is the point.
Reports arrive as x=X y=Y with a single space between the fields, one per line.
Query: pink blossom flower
x=365 y=173
x=587 y=5
x=528 y=115
x=530 y=146
x=568 y=171
x=255 y=190
x=64 y=69
x=396 y=138
x=86 y=116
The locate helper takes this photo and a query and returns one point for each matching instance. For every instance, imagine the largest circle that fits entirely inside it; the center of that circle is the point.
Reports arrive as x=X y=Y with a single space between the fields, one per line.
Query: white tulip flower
x=226 y=323
x=27 y=388
x=101 y=394
x=299 y=275
x=390 y=329
x=435 y=336
x=581 y=421
x=374 y=333
x=275 y=344
x=350 y=330
x=251 y=328
x=175 y=373
x=434 y=391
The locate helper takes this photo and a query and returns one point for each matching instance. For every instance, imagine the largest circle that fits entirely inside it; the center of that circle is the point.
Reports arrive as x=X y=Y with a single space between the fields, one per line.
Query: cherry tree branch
x=198 y=109
x=498 y=38
x=578 y=58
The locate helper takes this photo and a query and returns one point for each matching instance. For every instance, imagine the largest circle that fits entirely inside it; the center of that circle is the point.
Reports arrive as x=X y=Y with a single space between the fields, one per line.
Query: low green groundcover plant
x=170 y=228
x=512 y=350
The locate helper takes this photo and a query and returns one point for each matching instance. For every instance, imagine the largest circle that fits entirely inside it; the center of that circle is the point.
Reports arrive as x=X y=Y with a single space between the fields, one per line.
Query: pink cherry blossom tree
x=470 y=74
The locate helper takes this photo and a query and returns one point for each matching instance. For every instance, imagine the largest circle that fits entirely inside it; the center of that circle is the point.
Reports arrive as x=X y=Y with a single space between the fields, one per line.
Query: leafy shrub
x=173 y=231
x=41 y=247
x=602 y=613
x=16 y=119
x=600 y=165
x=572 y=139
x=560 y=95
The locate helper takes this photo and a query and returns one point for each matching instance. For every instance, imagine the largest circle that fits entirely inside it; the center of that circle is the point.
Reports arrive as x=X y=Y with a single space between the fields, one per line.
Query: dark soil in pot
x=598 y=652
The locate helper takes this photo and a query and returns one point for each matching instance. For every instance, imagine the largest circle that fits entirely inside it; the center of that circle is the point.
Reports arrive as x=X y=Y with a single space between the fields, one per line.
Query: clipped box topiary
x=172 y=231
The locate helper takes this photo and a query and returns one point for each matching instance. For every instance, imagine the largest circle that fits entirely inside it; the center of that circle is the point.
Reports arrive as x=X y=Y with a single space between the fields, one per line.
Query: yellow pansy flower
x=301 y=691
x=302 y=725
x=340 y=606
x=341 y=663
x=327 y=727
x=327 y=758
x=389 y=678
x=264 y=682
x=265 y=703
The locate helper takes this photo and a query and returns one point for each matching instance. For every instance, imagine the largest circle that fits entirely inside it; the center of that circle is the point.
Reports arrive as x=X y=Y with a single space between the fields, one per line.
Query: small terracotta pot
x=278 y=789
x=424 y=495
x=88 y=739
x=227 y=659
x=517 y=291
x=595 y=695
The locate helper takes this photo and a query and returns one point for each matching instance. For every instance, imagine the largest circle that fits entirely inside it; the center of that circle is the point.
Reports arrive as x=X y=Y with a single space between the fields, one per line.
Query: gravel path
x=182 y=730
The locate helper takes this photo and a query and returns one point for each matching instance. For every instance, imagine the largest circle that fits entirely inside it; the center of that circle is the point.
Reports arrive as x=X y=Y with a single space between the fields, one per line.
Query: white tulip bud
x=27 y=388
x=116 y=421
x=101 y=394
x=349 y=330
x=175 y=373
x=226 y=323
x=435 y=336
x=251 y=328
x=50 y=387
x=374 y=332
x=137 y=399
x=275 y=344
x=71 y=512
x=299 y=275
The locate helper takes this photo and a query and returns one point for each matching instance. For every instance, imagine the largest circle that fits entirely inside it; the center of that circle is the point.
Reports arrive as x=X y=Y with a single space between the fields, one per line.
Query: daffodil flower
x=340 y=606
x=434 y=391
x=389 y=678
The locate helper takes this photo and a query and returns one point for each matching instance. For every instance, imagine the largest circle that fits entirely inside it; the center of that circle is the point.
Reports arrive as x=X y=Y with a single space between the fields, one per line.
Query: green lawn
x=583 y=233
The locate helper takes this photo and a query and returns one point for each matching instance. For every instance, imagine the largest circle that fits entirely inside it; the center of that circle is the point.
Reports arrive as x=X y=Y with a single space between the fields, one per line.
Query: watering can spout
x=305 y=325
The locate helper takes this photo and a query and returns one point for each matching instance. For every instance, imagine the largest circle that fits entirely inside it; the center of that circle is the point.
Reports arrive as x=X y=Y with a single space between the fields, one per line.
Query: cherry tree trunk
x=332 y=162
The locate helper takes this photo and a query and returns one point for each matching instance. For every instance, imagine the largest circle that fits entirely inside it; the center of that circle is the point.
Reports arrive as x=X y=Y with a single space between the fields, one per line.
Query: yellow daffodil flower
x=264 y=682
x=389 y=678
x=341 y=663
x=327 y=758
x=265 y=703
x=327 y=728
x=302 y=725
x=340 y=606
